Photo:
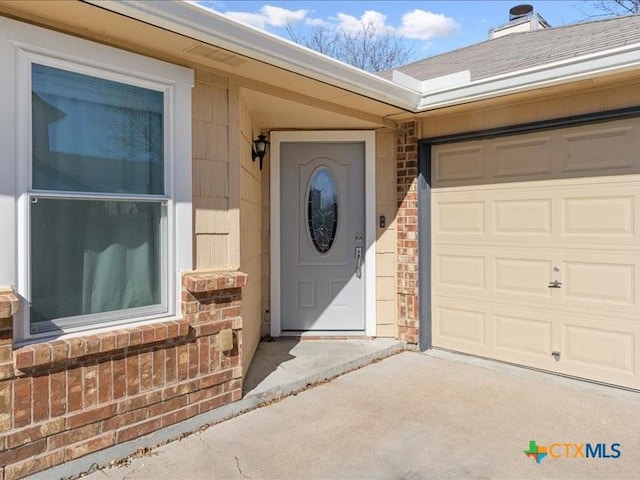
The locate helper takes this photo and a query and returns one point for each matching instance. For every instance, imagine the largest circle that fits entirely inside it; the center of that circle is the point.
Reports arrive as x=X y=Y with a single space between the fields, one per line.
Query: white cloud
x=269 y=16
x=351 y=24
x=280 y=17
x=422 y=25
x=318 y=22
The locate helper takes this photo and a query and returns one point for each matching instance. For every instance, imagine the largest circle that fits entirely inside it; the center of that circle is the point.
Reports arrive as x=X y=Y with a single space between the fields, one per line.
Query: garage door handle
x=555 y=284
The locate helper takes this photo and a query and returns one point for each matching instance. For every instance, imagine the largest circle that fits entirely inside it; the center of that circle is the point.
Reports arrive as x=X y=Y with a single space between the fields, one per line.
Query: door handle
x=555 y=284
x=358 y=262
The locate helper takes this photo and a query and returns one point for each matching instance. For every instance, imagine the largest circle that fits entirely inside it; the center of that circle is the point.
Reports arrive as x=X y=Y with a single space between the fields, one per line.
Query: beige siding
x=227 y=195
x=541 y=105
x=386 y=320
x=251 y=211
x=211 y=171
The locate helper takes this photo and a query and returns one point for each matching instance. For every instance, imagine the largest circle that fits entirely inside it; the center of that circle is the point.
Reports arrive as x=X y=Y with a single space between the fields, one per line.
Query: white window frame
x=20 y=46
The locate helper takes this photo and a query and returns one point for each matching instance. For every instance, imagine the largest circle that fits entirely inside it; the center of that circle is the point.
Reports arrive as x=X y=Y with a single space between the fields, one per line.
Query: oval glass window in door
x=322 y=209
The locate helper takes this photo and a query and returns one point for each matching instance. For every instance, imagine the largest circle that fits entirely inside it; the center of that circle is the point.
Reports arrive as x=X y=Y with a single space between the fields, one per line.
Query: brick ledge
x=56 y=351
x=209 y=281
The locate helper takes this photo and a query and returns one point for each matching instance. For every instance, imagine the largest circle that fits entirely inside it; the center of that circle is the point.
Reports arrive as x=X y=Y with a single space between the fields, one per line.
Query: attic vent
x=520 y=11
x=216 y=54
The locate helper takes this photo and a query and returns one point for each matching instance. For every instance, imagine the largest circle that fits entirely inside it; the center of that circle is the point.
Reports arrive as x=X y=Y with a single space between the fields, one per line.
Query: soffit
x=94 y=23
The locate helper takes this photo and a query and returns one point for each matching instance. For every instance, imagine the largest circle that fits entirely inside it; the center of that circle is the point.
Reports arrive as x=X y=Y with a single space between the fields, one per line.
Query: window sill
x=43 y=354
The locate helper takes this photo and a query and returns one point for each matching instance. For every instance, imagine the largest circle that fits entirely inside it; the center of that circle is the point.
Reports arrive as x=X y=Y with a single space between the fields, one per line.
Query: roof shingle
x=519 y=51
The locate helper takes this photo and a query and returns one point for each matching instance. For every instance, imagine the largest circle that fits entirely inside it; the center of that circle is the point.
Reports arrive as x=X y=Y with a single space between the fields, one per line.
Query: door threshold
x=326 y=335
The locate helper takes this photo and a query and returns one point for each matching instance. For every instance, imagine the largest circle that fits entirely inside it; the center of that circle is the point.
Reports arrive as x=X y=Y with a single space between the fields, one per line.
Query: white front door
x=322 y=236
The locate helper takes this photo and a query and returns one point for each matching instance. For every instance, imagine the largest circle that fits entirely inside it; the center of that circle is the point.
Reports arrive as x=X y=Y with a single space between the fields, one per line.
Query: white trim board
x=369 y=139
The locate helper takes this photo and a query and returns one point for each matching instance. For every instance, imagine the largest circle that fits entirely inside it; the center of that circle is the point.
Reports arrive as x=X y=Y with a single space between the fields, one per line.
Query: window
x=322 y=209
x=97 y=219
x=103 y=222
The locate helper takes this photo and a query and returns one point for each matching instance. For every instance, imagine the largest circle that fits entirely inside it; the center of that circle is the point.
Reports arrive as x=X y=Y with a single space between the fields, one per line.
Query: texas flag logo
x=535 y=451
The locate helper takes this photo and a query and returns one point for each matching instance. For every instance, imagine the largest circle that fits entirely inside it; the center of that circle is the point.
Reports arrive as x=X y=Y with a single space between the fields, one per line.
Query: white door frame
x=368 y=137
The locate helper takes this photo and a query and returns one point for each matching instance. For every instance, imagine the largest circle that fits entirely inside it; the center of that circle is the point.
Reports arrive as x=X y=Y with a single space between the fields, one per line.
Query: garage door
x=536 y=250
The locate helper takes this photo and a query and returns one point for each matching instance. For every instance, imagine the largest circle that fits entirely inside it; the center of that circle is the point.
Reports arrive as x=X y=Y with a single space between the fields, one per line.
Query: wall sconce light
x=260 y=148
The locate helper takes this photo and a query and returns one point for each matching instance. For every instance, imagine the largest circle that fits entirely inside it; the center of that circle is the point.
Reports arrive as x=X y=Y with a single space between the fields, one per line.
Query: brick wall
x=407 y=219
x=63 y=399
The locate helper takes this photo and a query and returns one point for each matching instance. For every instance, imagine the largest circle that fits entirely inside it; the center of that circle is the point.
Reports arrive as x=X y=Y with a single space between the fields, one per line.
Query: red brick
x=215 y=378
x=6 y=352
x=90 y=390
x=161 y=332
x=146 y=371
x=31 y=434
x=74 y=389
x=148 y=334
x=33 y=465
x=107 y=342
x=137 y=430
x=23 y=452
x=77 y=347
x=204 y=394
x=232 y=385
x=59 y=351
x=194 y=360
x=140 y=401
x=184 y=328
x=125 y=419
x=58 y=399
x=41 y=354
x=21 y=402
x=41 y=398
x=6 y=392
x=122 y=339
x=93 y=445
x=93 y=344
x=230 y=312
x=171 y=365
x=6 y=371
x=158 y=368
x=105 y=382
x=91 y=416
x=172 y=330
x=133 y=375
x=119 y=378
x=203 y=353
x=183 y=362
x=168 y=406
x=179 y=415
x=180 y=389
x=24 y=358
x=135 y=337
x=215 y=402
x=236 y=395
x=73 y=436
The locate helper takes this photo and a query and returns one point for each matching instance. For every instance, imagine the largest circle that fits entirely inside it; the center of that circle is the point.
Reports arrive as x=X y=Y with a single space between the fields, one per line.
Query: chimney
x=522 y=18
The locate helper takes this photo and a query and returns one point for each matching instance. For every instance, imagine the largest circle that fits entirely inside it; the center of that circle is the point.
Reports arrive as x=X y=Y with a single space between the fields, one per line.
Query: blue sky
x=429 y=27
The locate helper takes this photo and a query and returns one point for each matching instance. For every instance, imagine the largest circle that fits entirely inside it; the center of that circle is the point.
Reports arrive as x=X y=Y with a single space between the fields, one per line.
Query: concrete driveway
x=416 y=416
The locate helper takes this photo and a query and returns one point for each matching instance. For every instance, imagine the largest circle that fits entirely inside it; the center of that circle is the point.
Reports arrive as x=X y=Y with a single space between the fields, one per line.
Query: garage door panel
x=528 y=216
x=600 y=282
x=523 y=276
x=598 y=151
x=611 y=216
x=558 y=205
x=460 y=165
x=530 y=159
x=599 y=348
x=522 y=334
x=460 y=218
x=461 y=271
x=464 y=328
